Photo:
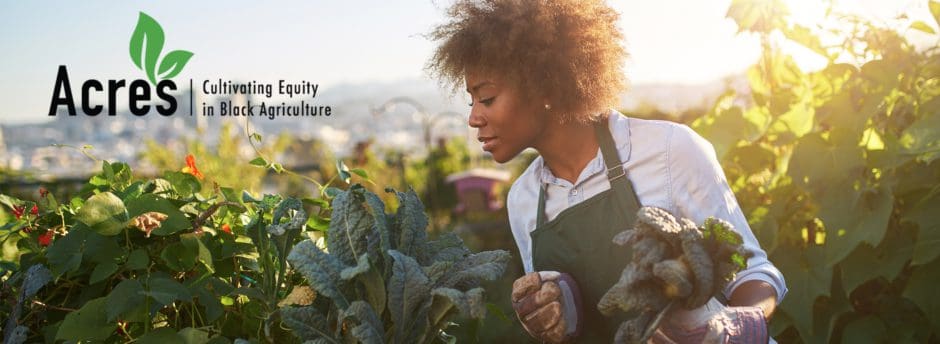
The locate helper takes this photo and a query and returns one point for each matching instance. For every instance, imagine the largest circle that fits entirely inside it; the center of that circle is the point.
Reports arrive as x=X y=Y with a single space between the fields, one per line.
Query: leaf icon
x=174 y=63
x=149 y=31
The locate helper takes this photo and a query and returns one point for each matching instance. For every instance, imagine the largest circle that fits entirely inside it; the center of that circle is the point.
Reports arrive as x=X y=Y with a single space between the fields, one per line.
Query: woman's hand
x=713 y=323
x=548 y=305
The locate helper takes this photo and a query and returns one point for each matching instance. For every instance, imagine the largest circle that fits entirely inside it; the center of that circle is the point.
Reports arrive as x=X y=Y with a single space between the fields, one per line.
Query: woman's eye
x=487 y=101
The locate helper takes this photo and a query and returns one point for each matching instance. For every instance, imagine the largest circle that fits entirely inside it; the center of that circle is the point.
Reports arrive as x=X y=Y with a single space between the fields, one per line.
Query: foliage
x=838 y=172
x=150 y=260
x=384 y=280
x=224 y=164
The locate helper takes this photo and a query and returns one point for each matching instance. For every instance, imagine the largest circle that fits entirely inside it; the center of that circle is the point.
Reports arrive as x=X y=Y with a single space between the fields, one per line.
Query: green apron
x=578 y=241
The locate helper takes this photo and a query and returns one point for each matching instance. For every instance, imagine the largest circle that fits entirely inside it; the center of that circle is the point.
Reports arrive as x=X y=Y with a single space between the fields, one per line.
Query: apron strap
x=615 y=172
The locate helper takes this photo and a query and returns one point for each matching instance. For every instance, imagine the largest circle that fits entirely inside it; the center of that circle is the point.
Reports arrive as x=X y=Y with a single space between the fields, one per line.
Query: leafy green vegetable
x=386 y=281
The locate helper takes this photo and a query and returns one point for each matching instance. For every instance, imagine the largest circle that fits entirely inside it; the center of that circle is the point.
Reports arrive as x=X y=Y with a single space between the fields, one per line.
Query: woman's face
x=506 y=124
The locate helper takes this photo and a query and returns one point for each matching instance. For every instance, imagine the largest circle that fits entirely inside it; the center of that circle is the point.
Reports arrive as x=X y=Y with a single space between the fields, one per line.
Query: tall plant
x=838 y=173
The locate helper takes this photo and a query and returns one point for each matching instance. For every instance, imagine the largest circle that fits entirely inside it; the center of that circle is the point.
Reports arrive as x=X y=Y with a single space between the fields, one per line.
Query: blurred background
x=825 y=115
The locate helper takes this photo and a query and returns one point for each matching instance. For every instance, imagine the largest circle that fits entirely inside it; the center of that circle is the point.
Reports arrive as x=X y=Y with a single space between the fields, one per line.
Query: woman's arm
x=699 y=189
x=755 y=293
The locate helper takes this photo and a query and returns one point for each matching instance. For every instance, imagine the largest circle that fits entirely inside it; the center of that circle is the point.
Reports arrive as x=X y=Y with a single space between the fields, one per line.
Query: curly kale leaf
x=306 y=322
x=487 y=265
x=322 y=270
x=351 y=226
x=368 y=327
x=412 y=222
x=408 y=299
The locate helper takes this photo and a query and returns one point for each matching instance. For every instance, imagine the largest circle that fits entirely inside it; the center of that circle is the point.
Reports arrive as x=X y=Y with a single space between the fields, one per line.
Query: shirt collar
x=619 y=126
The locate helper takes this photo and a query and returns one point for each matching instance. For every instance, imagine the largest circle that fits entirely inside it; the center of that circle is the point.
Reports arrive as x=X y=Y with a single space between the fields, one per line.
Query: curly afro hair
x=568 y=51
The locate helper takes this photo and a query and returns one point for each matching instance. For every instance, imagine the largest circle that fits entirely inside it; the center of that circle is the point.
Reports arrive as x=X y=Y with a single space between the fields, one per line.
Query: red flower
x=43 y=192
x=18 y=211
x=35 y=210
x=226 y=228
x=46 y=238
x=191 y=167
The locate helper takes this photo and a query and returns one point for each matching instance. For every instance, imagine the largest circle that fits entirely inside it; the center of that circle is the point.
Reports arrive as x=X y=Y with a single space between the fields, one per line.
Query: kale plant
x=381 y=280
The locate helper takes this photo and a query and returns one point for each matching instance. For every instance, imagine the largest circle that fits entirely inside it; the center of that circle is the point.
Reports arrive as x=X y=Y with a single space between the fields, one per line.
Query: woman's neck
x=567 y=148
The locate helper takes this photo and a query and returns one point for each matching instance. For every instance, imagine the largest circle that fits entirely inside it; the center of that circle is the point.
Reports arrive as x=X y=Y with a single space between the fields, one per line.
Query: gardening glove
x=713 y=323
x=548 y=303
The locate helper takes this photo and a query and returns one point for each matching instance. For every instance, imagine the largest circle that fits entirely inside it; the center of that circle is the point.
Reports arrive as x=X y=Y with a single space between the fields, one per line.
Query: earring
x=548 y=107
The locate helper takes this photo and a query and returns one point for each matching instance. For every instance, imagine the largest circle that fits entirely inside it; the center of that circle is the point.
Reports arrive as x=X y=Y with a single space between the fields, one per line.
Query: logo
x=146 y=46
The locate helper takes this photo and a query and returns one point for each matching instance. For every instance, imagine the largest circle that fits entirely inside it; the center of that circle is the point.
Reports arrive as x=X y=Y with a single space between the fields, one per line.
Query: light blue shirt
x=669 y=165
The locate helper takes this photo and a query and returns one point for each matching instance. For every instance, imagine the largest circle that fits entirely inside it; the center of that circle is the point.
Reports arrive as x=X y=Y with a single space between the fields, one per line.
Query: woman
x=544 y=74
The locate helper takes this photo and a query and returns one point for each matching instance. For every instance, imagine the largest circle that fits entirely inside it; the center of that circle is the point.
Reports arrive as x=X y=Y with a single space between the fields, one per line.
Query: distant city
x=30 y=147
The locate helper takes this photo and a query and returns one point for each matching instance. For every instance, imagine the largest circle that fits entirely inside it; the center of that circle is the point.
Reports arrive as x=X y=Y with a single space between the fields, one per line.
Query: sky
x=340 y=42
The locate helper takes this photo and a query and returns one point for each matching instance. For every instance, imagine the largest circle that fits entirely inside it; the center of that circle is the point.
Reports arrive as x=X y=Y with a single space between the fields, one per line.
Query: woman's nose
x=476 y=118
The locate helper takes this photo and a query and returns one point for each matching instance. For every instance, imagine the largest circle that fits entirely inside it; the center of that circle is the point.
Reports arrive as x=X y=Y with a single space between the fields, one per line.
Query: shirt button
x=574 y=192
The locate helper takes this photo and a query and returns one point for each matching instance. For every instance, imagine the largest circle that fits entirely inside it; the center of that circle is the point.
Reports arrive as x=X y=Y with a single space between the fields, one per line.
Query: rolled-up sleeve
x=698 y=189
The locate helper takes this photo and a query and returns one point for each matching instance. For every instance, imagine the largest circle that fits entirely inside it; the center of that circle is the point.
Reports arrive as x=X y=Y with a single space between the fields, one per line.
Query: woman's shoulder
x=656 y=136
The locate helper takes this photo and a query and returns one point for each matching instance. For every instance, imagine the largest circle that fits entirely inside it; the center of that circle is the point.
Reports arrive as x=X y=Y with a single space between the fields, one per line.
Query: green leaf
x=212 y=303
x=125 y=297
x=886 y=260
x=259 y=161
x=277 y=167
x=321 y=270
x=175 y=220
x=37 y=276
x=148 y=32
x=166 y=291
x=362 y=173
x=306 y=322
x=161 y=335
x=369 y=329
x=408 y=299
x=179 y=257
x=184 y=184
x=868 y=329
x=448 y=247
x=193 y=336
x=807 y=280
x=371 y=279
x=494 y=309
x=65 y=254
x=351 y=225
x=104 y=213
x=853 y=218
x=18 y=335
x=927 y=244
x=818 y=164
x=487 y=265
x=318 y=223
x=89 y=323
x=137 y=260
x=194 y=244
x=922 y=290
x=102 y=272
x=412 y=224
x=174 y=62
x=470 y=304
x=923 y=27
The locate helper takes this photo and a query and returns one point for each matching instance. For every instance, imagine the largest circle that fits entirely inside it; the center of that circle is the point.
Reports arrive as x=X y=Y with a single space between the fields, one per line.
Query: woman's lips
x=488 y=142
